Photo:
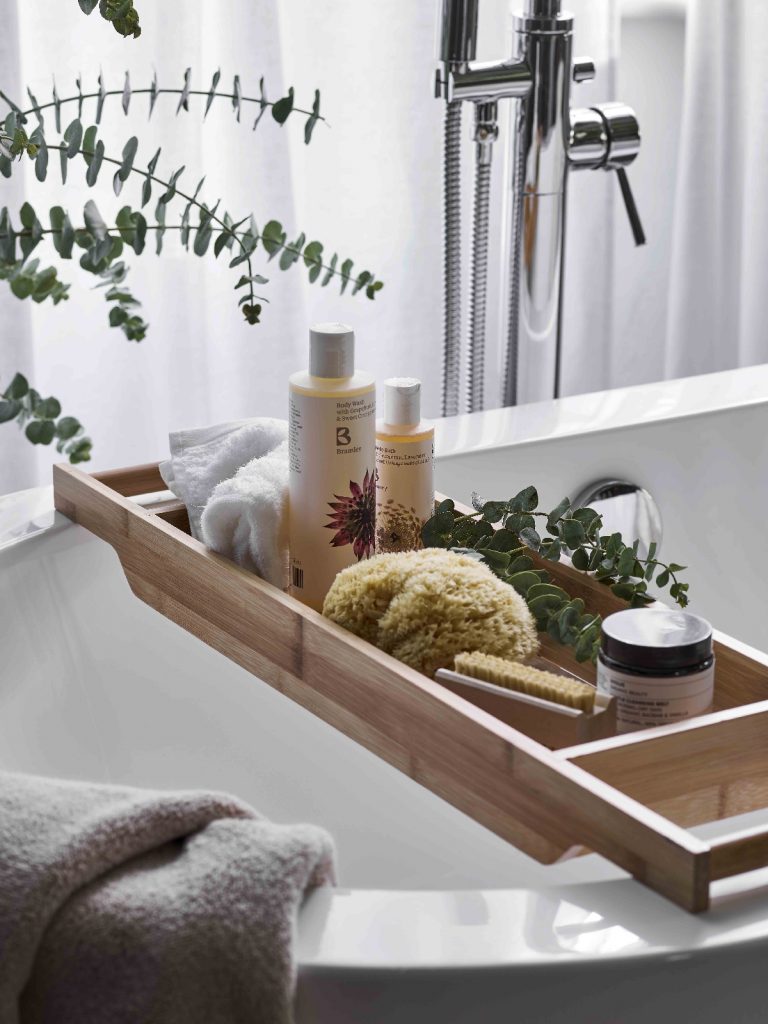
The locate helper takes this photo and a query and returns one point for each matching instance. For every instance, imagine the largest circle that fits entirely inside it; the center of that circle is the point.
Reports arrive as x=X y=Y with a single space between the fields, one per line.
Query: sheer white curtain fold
x=718 y=296
x=590 y=346
x=18 y=460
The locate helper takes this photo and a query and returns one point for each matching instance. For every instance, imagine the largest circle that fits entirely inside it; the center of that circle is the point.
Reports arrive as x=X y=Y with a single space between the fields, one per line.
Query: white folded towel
x=233 y=478
x=202 y=458
x=246 y=518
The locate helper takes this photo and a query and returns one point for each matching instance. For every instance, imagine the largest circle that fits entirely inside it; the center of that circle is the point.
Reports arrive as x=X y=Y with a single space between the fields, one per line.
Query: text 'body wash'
x=405 y=481
x=332 y=480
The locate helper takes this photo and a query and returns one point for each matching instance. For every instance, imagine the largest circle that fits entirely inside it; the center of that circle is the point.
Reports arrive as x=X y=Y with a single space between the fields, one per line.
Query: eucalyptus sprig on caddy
x=501 y=533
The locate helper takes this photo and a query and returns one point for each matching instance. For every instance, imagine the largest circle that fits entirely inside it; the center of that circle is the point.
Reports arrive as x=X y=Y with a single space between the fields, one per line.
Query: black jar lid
x=658 y=639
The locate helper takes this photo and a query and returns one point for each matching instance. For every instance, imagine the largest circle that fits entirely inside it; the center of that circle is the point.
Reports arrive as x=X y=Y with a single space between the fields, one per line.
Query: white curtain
x=18 y=460
x=369 y=186
x=588 y=340
x=718 y=296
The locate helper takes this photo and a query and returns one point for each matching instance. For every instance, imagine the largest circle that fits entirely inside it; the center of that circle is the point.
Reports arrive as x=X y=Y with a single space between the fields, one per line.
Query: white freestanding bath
x=436 y=919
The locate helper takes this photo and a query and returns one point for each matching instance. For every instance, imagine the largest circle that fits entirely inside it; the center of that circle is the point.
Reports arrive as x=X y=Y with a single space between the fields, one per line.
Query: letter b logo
x=342 y=436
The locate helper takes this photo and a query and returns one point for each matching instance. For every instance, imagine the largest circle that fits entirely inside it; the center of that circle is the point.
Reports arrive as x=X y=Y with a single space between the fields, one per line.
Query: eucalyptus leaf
x=48 y=409
x=212 y=91
x=525 y=501
x=273 y=237
x=202 y=238
x=572 y=533
x=292 y=252
x=9 y=410
x=281 y=110
x=530 y=538
x=312 y=120
x=556 y=514
x=580 y=559
x=129 y=155
x=153 y=94
x=41 y=158
x=73 y=137
x=346 y=272
x=523 y=581
x=263 y=103
x=126 y=98
x=67 y=428
x=18 y=388
x=101 y=97
x=184 y=98
x=40 y=431
x=94 y=221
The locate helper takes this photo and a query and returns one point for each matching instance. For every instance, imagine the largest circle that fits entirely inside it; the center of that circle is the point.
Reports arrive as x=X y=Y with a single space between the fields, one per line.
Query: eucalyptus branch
x=90 y=155
x=57 y=103
x=41 y=420
x=281 y=109
x=79 y=142
x=498 y=533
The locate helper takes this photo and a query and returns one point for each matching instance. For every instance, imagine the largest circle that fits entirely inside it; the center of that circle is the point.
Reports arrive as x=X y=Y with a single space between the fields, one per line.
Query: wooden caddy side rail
x=543 y=802
x=739 y=852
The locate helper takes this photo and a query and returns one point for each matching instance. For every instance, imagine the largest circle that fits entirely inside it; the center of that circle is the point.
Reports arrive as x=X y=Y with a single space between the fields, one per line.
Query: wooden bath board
x=630 y=798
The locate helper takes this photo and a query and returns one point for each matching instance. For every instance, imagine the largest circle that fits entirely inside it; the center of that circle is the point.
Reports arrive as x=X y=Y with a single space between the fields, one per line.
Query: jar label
x=645 y=701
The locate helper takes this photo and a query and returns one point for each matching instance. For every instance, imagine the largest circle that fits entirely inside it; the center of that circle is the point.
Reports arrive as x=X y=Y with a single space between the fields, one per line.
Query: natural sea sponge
x=424 y=607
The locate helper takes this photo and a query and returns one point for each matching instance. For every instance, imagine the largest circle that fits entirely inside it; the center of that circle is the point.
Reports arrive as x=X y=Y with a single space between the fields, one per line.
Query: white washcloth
x=127 y=906
x=202 y=458
x=246 y=517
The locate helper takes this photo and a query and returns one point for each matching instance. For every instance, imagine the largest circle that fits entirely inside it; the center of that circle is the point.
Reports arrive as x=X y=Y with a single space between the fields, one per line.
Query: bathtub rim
x=600 y=412
x=330 y=917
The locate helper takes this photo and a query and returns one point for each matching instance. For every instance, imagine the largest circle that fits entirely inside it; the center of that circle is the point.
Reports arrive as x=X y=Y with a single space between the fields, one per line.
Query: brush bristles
x=524 y=679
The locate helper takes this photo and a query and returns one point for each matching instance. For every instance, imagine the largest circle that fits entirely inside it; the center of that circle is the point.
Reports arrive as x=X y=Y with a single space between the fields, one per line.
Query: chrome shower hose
x=509 y=396
x=476 y=363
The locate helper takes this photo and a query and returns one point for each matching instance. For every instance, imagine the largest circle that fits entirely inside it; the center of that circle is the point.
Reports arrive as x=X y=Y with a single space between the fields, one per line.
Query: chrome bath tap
x=550 y=138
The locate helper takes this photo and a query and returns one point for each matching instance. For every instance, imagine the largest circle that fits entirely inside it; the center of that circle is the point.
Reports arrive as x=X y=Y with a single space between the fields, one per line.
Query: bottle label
x=405 y=492
x=332 y=507
x=643 y=701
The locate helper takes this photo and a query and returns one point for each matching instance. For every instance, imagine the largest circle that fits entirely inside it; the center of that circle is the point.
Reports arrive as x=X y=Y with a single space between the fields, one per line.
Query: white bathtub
x=437 y=919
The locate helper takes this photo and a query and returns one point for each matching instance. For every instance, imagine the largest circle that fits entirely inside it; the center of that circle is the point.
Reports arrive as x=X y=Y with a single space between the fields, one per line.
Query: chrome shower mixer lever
x=607 y=137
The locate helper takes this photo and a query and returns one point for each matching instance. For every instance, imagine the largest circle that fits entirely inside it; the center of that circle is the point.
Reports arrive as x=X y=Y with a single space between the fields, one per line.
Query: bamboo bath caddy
x=630 y=798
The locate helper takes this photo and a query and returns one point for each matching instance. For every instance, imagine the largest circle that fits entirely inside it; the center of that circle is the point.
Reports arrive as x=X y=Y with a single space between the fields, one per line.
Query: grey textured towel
x=121 y=905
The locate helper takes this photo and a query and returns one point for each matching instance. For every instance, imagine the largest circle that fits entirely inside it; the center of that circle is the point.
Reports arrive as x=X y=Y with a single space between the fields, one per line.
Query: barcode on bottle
x=298 y=578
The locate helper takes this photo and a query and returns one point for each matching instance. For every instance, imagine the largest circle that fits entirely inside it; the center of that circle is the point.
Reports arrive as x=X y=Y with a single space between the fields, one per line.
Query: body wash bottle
x=332 y=480
x=405 y=485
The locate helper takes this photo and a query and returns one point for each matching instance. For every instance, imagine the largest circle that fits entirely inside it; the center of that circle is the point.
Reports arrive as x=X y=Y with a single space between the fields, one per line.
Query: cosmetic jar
x=658 y=664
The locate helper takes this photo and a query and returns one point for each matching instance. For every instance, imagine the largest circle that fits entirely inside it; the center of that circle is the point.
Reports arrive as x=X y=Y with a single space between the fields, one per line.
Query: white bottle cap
x=402 y=401
x=331 y=350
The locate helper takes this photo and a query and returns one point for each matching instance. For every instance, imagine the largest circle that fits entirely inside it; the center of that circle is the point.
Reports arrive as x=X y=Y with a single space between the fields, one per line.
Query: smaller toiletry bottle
x=405 y=483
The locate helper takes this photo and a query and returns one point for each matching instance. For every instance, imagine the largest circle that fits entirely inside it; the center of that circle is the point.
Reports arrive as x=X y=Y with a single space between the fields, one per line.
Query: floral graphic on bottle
x=354 y=517
x=398 y=528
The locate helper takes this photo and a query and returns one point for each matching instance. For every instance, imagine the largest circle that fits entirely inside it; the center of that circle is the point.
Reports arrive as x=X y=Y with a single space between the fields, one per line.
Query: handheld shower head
x=458 y=31
x=542 y=8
